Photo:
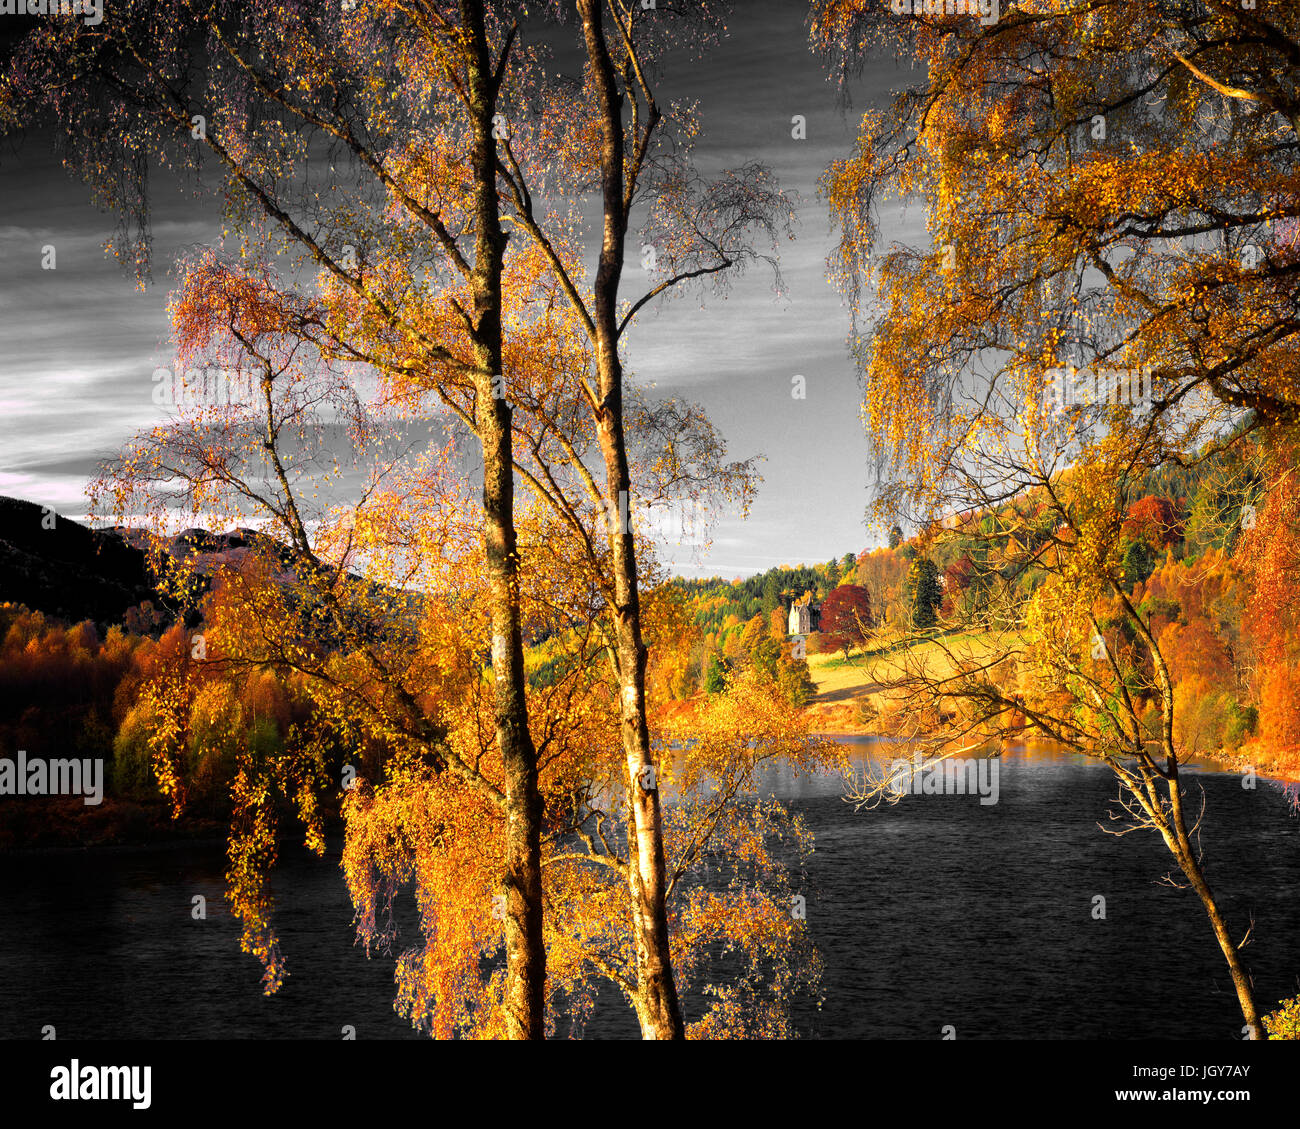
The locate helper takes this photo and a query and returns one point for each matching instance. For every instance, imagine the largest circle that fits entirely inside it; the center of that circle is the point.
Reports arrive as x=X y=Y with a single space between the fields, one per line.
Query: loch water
x=936 y=912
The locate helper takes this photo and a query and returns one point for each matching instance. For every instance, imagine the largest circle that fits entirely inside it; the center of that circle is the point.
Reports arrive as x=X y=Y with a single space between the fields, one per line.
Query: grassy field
x=849 y=692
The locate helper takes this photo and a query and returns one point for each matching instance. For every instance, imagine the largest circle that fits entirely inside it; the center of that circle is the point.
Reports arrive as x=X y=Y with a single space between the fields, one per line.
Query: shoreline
x=114 y=848
x=1227 y=764
x=205 y=839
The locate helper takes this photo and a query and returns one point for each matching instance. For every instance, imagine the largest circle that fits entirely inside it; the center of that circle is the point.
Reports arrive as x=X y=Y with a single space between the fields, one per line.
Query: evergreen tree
x=924 y=593
x=715 y=678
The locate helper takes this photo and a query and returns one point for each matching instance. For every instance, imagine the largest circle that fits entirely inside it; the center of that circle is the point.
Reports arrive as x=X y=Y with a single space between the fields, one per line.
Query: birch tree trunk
x=522 y=882
x=1181 y=845
x=656 y=1001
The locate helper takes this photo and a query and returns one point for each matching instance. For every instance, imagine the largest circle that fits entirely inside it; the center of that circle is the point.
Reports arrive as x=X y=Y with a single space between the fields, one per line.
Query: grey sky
x=78 y=344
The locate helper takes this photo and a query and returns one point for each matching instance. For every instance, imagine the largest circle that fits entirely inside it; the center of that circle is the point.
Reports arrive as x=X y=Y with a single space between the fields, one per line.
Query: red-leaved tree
x=846 y=618
x=1153 y=520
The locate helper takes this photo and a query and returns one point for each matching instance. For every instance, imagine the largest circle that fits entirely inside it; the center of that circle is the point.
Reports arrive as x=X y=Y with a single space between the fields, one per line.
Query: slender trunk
x=656 y=999
x=1176 y=837
x=522 y=882
x=1181 y=845
x=1240 y=979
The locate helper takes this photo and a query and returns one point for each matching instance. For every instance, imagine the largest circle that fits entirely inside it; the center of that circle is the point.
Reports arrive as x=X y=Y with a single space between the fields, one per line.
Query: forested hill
x=717 y=601
x=1179 y=553
x=1183 y=510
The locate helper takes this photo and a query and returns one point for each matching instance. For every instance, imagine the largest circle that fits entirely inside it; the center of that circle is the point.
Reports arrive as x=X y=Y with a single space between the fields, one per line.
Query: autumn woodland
x=407 y=571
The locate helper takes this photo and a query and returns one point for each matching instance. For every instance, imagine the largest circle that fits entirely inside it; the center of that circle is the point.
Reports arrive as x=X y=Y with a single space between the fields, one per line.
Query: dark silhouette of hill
x=72 y=572
x=65 y=569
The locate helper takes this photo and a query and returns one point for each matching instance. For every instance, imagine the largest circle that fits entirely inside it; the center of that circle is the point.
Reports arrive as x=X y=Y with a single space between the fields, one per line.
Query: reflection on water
x=935 y=911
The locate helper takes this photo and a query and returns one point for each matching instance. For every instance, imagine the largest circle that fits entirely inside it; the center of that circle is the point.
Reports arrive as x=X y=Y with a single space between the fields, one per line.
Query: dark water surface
x=938 y=911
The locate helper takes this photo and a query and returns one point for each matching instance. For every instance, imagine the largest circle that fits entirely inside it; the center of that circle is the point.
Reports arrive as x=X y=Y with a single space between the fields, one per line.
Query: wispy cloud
x=78 y=345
